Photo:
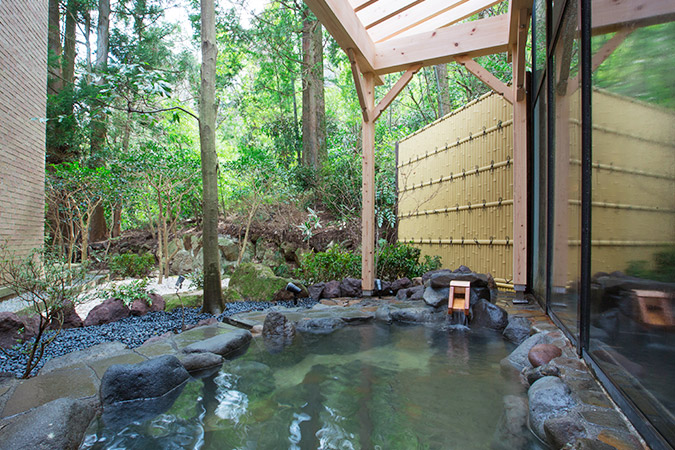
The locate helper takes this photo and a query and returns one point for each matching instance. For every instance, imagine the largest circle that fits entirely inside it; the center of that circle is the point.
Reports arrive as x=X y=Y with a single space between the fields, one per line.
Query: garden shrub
x=398 y=260
x=394 y=261
x=335 y=263
x=128 y=293
x=131 y=264
x=196 y=278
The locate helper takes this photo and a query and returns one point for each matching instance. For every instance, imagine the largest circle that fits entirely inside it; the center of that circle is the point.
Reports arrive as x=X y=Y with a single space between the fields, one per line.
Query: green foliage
x=335 y=263
x=399 y=260
x=129 y=292
x=131 y=264
x=196 y=278
x=312 y=223
x=664 y=267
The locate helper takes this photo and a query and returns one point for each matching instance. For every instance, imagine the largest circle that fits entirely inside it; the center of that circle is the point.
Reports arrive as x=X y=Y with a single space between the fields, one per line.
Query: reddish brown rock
x=541 y=354
x=331 y=289
x=110 y=310
x=140 y=307
x=14 y=329
x=67 y=317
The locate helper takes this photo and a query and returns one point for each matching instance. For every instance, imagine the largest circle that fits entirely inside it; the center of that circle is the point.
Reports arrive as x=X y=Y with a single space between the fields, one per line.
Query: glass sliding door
x=632 y=329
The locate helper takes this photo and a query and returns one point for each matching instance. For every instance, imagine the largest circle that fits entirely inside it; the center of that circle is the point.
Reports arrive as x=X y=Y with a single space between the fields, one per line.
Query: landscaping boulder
x=14 y=328
x=140 y=307
x=416 y=315
x=254 y=378
x=517 y=330
x=488 y=315
x=316 y=290
x=517 y=360
x=256 y=282
x=59 y=424
x=548 y=397
x=278 y=332
x=148 y=379
x=320 y=325
x=283 y=295
x=110 y=310
x=401 y=283
x=194 y=362
x=492 y=286
x=436 y=296
x=350 y=287
x=541 y=354
x=67 y=317
x=478 y=292
x=182 y=262
x=229 y=248
x=442 y=278
x=535 y=373
x=88 y=355
x=331 y=289
x=227 y=344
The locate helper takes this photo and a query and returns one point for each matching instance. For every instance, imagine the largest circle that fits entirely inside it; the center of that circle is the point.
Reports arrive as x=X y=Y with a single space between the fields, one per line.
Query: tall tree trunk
x=98 y=229
x=444 y=103
x=213 y=296
x=54 y=81
x=69 y=42
x=313 y=105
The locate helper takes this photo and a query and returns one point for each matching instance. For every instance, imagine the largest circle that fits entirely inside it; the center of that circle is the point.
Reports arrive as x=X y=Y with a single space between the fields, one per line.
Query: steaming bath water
x=362 y=387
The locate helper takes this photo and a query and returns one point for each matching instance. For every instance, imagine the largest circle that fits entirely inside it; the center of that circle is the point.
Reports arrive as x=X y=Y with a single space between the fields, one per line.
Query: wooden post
x=520 y=159
x=368 y=190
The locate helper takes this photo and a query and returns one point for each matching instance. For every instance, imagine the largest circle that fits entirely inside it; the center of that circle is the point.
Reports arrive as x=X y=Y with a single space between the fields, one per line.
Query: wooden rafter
x=612 y=15
x=394 y=91
x=421 y=18
x=477 y=38
x=382 y=11
x=486 y=77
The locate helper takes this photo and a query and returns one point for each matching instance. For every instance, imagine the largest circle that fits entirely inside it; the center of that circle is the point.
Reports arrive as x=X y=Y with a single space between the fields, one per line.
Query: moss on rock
x=256 y=282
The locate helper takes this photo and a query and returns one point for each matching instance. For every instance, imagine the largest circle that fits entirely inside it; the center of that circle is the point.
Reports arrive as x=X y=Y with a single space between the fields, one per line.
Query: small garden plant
x=49 y=285
x=128 y=293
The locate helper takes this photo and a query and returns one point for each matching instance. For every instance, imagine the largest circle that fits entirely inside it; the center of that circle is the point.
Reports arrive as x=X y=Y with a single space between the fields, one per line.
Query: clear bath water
x=362 y=387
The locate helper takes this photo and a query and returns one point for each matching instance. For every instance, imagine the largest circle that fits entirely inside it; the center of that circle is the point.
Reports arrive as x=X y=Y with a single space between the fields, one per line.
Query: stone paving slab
x=33 y=392
x=128 y=357
x=195 y=335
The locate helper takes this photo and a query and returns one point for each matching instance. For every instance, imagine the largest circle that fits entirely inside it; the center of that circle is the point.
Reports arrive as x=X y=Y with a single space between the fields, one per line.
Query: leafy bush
x=393 y=261
x=196 y=278
x=131 y=264
x=128 y=293
x=333 y=264
x=398 y=260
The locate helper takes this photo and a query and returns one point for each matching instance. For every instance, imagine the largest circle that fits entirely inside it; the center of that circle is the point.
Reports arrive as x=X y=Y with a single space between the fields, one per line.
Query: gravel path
x=132 y=331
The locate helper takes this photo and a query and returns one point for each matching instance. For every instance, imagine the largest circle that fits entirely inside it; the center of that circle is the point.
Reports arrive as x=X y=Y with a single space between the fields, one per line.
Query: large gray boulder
x=226 y=344
x=517 y=330
x=315 y=290
x=195 y=362
x=548 y=397
x=320 y=325
x=278 y=332
x=487 y=315
x=416 y=315
x=149 y=379
x=182 y=262
x=436 y=297
x=443 y=278
x=59 y=424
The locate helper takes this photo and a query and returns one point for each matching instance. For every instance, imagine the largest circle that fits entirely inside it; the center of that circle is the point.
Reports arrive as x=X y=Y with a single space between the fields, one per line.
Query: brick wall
x=23 y=87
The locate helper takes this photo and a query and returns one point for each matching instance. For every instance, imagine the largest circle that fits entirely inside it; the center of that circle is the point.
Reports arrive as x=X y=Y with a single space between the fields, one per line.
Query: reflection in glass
x=567 y=193
x=632 y=334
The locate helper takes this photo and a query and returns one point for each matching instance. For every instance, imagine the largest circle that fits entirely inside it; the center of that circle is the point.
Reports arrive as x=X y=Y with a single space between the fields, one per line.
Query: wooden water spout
x=459 y=298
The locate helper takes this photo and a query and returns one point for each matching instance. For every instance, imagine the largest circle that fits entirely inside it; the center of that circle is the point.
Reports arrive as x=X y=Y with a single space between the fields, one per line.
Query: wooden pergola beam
x=477 y=38
x=339 y=18
x=425 y=17
x=486 y=77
